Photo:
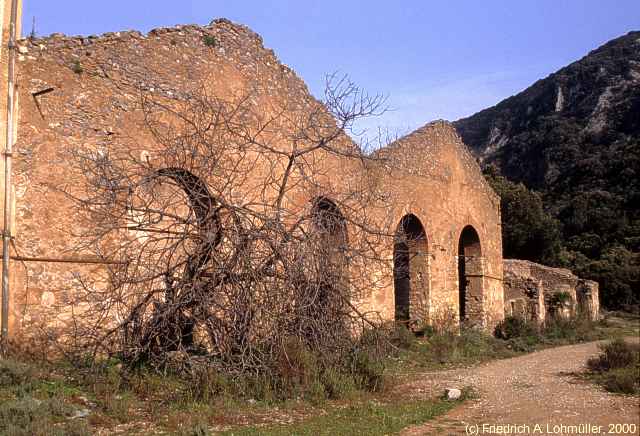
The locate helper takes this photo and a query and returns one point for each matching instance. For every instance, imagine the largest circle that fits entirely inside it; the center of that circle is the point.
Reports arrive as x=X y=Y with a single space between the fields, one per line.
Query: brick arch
x=470 y=276
x=411 y=270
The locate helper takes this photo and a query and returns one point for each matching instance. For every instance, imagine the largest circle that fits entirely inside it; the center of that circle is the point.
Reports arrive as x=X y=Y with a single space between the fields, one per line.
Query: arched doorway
x=411 y=270
x=331 y=229
x=174 y=226
x=176 y=222
x=470 y=272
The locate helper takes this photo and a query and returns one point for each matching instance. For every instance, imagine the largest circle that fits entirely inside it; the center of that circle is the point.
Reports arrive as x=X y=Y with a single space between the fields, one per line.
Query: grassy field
x=54 y=399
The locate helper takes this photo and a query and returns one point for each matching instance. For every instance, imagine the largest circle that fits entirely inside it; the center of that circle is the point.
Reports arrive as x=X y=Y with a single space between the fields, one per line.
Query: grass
x=41 y=399
x=370 y=418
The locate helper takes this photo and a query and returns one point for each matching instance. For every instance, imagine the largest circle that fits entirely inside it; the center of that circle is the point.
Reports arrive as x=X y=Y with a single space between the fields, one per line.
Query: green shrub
x=76 y=67
x=207 y=383
x=197 y=429
x=14 y=373
x=369 y=371
x=337 y=384
x=298 y=368
x=28 y=416
x=523 y=344
x=443 y=347
x=576 y=329
x=209 y=40
x=476 y=345
x=401 y=336
x=617 y=368
x=513 y=327
x=615 y=355
x=425 y=330
x=622 y=380
x=560 y=299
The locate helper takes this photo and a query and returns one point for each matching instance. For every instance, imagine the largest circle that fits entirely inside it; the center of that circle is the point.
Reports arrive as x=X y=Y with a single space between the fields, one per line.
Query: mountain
x=575 y=138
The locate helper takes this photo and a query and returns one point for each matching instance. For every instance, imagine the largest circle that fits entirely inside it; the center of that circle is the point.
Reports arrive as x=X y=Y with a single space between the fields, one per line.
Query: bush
x=402 y=336
x=622 y=380
x=198 y=429
x=617 y=368
x=369 y=372
x=615 y=355
x=298 y=372
x=425 y=330
x=337 y=385
x=76 y=67
x=210 y=40
x=475 y=344
x=558 y=329
x=512 y=327
x=524 y=344
x=14 y=373
x=28 y=416
x=560 y=299
x=207 y=383
x=443 y=347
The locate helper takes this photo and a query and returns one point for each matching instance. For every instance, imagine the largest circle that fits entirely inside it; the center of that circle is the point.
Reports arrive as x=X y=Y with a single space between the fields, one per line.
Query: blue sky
x=434 y=59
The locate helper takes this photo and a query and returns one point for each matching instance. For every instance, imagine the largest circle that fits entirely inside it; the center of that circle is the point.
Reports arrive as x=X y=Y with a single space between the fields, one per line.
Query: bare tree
x=232 y=236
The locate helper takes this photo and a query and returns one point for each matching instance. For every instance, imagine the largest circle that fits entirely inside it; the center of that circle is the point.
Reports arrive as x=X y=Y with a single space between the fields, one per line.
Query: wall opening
x=411 y=270
x=332 y=243
x=175 y=223
x=470 y=276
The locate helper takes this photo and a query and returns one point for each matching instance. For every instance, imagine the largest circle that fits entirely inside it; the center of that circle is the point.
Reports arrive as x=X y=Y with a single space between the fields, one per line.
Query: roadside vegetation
x=617 y=368
x=38 y=398
x=432 y=350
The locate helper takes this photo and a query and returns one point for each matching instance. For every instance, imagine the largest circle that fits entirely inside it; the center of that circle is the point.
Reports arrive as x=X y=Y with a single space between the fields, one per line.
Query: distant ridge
x=575 y=137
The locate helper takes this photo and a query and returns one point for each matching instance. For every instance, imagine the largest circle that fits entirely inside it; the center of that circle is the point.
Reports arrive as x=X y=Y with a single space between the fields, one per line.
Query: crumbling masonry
x=67 y=96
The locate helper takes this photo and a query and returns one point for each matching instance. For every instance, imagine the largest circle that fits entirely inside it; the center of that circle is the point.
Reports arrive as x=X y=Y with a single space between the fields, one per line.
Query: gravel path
x=540 y=388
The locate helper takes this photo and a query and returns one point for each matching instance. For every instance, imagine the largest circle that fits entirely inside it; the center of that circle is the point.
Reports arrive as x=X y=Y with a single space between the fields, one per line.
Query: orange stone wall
x=78 y=91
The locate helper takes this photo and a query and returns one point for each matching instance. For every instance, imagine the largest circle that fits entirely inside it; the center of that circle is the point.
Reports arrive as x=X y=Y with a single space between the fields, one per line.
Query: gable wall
x=438 y=181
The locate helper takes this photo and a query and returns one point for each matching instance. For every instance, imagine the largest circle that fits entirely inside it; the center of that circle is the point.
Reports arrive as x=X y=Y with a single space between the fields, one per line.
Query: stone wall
x=535 y=292
x=82 y=92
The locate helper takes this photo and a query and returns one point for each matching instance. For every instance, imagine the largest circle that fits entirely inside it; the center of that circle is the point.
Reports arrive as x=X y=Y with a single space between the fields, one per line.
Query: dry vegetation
x=42 y=398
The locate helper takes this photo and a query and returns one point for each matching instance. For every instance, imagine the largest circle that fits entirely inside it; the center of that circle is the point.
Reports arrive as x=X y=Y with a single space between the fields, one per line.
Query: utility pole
x=8 y=151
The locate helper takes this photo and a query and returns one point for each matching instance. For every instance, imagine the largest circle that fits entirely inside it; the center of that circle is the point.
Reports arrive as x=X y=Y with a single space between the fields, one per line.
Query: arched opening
x=331 y=228
x=411 y=270
x=470 y=272
x=175 y=224
x=199 y=211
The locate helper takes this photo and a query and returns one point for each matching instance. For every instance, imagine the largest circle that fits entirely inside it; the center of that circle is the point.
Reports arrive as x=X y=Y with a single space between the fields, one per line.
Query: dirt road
x=539 y=391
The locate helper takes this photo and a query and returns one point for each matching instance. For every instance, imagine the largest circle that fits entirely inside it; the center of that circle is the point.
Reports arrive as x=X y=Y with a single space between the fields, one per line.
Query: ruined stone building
x=69 y=94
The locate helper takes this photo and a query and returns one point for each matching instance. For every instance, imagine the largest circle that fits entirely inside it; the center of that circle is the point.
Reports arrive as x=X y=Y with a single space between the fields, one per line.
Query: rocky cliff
x=575 y=137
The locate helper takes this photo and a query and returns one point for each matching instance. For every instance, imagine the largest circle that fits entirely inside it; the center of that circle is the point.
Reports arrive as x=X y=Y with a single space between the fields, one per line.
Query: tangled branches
x=237 y=230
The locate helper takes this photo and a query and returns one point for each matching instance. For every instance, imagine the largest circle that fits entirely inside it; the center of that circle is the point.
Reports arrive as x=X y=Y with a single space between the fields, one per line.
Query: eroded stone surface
x=83 y=91
x=531 y=291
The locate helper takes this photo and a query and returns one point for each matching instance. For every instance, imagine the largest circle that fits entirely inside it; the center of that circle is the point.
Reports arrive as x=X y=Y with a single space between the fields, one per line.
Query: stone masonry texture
x=78 y=91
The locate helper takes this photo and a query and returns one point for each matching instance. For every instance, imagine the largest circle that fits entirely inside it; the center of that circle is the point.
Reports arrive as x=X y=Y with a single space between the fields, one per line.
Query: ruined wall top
x=165 y=60
x=175 y=55
x=421 y=153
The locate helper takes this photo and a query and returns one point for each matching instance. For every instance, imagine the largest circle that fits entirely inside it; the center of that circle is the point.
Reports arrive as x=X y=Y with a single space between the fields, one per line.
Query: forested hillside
x=574 y=137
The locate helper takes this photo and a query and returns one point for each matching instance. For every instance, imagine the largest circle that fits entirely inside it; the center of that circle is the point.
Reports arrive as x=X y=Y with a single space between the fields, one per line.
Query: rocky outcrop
x=574 y=137
x=535 y=292
x=595 y=100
